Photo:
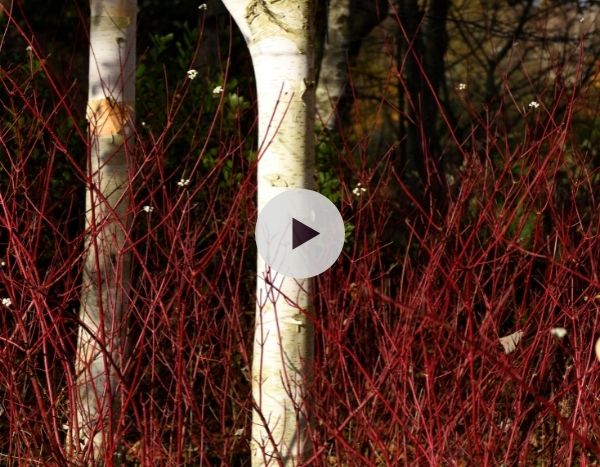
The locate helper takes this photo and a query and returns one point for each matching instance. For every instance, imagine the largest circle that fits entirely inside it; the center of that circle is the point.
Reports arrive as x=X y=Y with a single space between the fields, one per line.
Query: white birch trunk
x=348 y=23
x=100 y=345
x=280 y=38
x=334 y=66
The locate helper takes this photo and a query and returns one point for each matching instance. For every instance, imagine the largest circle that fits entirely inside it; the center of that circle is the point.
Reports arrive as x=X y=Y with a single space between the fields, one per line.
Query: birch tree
x=334 y=69
x=348 y=22
x=280 y=37
x=107 y=264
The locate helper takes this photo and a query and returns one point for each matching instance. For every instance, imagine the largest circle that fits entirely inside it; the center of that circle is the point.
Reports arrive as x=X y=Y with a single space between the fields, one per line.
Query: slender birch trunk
x=100 y=345
x=348 y=23
x=280 y=38
x=334 y=67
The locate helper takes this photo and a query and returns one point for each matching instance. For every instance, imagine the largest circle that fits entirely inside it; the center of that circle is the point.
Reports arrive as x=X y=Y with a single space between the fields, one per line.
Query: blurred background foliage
x=498 y=59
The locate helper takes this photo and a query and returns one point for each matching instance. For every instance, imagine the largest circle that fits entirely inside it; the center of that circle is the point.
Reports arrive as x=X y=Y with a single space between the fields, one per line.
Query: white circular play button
x=300 y=233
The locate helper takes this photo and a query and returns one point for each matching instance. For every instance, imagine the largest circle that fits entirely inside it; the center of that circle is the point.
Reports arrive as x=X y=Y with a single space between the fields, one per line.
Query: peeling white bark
x=100 y=345
x=280 y=38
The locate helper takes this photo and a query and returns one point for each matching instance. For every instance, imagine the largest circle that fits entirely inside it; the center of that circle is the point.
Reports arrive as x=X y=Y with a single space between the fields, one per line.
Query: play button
x=299 y=233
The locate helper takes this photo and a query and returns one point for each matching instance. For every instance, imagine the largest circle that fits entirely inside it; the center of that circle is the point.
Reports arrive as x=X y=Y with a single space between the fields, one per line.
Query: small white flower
x=558 y=332
x=534 y=104
x=143 y=123
x=183 y=182
x=202 y=6
x=6 y=302
x=217 y=90
x=2 y=264
x=462 y=86
x=29 y=49
x=191 y=74
x=148 y=209
x=359 y=190
x=505 y=424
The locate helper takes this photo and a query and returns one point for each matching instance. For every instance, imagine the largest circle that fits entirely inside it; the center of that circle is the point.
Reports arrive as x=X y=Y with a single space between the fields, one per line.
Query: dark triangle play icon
x=301 y=233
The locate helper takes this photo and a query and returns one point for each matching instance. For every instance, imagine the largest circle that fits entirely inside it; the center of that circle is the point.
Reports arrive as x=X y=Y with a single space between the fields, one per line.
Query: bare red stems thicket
x=409 y=369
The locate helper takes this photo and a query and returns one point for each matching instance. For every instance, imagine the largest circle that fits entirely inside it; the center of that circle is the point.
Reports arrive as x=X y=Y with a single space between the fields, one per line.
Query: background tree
x=422 y=43
x=347 y=23
x=104 y=294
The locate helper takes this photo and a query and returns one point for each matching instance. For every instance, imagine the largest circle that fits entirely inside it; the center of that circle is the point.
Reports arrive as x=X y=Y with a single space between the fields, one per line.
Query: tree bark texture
x=348 y=22
x=422 y=46
x=280 y=38
x=100 y=344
